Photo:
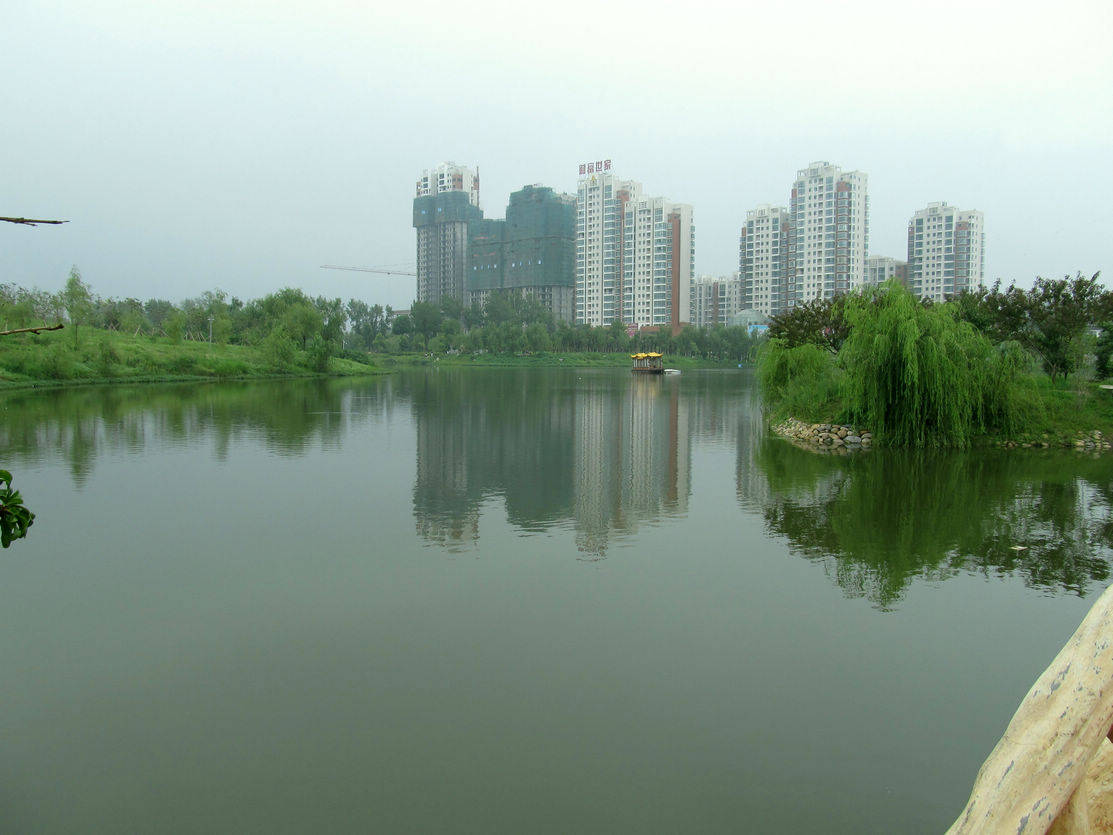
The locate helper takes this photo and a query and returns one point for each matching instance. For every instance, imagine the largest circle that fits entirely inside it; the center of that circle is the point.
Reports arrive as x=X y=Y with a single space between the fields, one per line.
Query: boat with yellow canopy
x=648 y=363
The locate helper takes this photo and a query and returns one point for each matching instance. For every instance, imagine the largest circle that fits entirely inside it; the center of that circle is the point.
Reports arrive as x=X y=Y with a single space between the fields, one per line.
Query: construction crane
x=367 y=270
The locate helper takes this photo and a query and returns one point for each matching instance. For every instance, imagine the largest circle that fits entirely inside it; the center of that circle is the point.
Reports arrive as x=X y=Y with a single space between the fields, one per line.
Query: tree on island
x=819 y=322
x=1051 y=320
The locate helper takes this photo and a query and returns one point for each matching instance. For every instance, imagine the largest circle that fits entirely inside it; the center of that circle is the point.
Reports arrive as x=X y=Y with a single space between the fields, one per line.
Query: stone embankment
x=833 y=437
x=825 y=437
x=1084 y=442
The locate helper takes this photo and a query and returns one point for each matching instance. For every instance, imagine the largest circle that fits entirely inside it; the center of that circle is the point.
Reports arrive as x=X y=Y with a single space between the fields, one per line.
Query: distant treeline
x=290 y=321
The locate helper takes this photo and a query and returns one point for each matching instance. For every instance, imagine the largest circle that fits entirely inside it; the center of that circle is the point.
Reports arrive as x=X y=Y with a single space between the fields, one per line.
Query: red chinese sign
x=592 y=167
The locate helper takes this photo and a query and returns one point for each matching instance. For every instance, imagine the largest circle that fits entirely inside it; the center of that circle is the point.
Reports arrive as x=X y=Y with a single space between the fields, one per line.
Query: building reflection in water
x=603 y=453
x=606 y=452
x=480 y=436
x=632 y=458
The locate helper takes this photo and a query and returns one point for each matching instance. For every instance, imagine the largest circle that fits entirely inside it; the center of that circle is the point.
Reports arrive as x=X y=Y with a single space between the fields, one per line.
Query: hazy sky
x=240 y=145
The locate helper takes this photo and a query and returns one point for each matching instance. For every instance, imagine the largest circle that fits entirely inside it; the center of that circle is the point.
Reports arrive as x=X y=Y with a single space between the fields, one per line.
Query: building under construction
x=462 y=255
x=446 y=202
x=442 y=222
x=532 y=253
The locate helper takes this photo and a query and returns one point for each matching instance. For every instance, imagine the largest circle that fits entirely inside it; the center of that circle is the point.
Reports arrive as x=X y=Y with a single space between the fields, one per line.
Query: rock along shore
x=825 y=437
x=841 y=439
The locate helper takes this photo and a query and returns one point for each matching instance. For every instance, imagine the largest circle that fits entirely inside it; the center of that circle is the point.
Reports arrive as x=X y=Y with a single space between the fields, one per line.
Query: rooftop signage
x=592 y=167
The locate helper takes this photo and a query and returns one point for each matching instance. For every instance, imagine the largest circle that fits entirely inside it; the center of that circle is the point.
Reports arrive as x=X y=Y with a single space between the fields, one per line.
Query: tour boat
x=650 y=363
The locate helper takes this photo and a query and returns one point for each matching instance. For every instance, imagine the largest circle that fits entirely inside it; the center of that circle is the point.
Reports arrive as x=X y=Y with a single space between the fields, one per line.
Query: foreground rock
x=1052 y=771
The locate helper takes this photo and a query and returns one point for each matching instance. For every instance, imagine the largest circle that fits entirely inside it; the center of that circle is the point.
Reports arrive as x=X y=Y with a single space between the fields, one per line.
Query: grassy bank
x=96 y=356
x=106 y=356
x=1064 y=409
x=619 y=359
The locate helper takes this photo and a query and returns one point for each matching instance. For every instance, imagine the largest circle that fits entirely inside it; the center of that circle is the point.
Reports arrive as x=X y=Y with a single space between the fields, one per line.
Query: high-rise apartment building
x=447 y=201
x=763 y=262
x=635 y=255
x=714 y=300
x=880 y=268
x=449 y=176
x=531 y=253
x=600 y=206
x=829 y=211
x=658 y=262
x=946 y=251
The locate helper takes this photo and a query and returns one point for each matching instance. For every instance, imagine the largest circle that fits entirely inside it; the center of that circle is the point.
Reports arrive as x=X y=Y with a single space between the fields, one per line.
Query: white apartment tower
x=880 y=268
x=763 y=259
x=829 y=211
x=658 y=262
x=635 y=255
x=946 y=251
x=715 y=300
x=448 y=176
x=600 y=206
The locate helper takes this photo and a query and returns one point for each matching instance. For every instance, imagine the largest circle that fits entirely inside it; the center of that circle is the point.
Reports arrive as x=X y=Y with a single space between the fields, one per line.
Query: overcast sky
x=240 y=145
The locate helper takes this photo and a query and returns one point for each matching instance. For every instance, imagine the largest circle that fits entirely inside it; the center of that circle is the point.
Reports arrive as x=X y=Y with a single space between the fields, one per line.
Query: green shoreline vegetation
x=105 y=357
x=288 y=333
x=989 y=367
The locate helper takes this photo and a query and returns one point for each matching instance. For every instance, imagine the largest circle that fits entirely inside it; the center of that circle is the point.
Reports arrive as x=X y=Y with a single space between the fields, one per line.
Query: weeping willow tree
x=918 y=376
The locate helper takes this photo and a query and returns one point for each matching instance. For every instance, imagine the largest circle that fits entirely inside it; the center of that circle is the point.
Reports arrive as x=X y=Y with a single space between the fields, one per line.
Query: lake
x=492 y=600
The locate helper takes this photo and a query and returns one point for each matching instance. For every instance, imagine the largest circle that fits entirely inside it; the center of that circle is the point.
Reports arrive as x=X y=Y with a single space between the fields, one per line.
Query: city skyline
x=241 y=148
x=631 y=258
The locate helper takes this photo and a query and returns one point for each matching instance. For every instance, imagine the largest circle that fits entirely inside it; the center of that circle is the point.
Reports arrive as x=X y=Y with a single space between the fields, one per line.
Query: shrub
x=228 y=368
x=57 y=364
x=319 y=351
x=278 y=349
x=184 y=364
x=803 y=380
x=106 y=358
x=1103 y=352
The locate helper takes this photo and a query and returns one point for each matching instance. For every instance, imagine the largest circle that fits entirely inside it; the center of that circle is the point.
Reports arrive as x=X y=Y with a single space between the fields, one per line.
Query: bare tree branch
x=27 y=221
x=39 y=329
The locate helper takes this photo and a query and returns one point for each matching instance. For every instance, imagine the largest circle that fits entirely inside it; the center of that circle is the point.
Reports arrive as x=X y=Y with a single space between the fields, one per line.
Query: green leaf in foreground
x=15 y=519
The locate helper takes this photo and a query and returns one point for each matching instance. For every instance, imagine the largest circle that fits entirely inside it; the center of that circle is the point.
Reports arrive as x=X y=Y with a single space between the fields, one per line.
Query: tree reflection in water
x=79 y=424
x=881 y=519
x=606 y=453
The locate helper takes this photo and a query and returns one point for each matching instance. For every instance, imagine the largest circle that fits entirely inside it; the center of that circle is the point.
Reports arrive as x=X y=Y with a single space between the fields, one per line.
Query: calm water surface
x=514 y=601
